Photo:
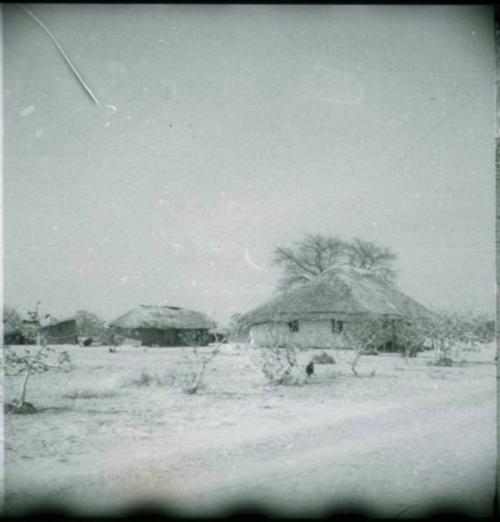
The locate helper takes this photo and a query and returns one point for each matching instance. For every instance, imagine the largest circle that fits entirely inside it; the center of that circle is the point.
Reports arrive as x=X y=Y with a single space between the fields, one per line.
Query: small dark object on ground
x=323 y=358
x=444 y=361
x=310 y=369
x=88 y=341
x=16 y=407
x=112 y=349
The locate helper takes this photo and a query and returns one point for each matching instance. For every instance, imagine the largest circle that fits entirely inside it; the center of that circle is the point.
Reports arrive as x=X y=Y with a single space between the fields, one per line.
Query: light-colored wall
x=311 y=334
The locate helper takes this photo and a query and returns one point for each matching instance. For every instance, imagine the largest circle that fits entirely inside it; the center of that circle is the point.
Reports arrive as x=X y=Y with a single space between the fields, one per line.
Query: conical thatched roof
x=163 y=318
x=337 y=292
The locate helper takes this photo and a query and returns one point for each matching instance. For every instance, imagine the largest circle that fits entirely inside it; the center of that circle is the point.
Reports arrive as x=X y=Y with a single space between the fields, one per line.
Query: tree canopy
x=11 y=317
x=89 y=324
x=313 y=254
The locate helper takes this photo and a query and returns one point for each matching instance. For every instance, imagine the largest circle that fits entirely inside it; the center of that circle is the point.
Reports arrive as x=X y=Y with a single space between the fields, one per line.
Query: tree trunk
x=25 y=387
x=197 y=381
x=355 y=362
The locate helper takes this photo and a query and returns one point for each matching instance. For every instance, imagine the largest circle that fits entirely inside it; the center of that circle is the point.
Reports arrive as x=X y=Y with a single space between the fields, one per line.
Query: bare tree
x=364 y=335
x=30 y=362
x=196 y=360
x=309 y=258
x=370 y=256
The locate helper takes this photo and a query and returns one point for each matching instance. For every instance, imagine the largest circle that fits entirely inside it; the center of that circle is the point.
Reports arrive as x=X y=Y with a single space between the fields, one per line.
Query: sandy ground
x=396 y=443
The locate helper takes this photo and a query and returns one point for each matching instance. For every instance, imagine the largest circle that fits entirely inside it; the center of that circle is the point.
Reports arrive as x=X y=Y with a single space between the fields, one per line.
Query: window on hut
x=293 y=326
x=337 y=326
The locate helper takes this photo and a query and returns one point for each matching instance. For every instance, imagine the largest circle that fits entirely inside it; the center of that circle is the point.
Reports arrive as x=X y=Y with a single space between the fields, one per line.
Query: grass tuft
x=90 y=393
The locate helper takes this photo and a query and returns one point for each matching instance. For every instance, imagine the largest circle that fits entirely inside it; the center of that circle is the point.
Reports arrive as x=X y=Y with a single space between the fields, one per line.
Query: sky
x=226 y=131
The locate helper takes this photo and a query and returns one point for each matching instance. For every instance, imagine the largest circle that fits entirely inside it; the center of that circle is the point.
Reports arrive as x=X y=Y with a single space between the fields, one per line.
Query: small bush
x=148 y=379
x=442 y=361
x=290 y=377
x=196 y=362
x=145 y=379
x=323 y=358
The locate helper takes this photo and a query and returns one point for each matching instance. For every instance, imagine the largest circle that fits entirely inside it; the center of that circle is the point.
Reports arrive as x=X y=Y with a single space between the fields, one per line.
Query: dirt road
x=396 y=458
x=389 y=463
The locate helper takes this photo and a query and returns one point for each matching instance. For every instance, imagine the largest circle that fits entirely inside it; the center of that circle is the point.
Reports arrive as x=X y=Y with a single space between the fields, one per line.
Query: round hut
x=318 y=313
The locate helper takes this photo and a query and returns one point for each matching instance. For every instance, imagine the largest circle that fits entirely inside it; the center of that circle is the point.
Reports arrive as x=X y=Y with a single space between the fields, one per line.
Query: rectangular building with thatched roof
x=319 y=313
x=155 y=325
x=62 y=331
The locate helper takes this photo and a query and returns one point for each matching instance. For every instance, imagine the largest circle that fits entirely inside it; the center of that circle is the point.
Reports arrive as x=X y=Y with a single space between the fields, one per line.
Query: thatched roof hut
x=338 y=295
x=164 y=325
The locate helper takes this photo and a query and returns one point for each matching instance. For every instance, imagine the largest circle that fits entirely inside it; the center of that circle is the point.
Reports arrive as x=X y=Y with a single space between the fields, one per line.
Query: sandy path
x=397 y=457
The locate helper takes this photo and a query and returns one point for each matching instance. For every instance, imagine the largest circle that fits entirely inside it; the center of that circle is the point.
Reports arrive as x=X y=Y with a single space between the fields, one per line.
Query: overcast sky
x=225 y=131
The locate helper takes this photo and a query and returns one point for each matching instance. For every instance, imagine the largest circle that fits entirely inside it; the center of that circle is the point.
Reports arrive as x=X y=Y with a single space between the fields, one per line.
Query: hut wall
x=154 y=336
x=311 y=334
x=165 y=338
x=200 y=336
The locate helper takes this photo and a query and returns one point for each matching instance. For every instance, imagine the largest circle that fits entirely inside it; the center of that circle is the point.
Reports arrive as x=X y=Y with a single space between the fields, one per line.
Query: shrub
x=145 y=379
x=196 y=360
x=280 y=365
x=90 y=393
x=196 y=365
x=443 y=361
x=323 y=358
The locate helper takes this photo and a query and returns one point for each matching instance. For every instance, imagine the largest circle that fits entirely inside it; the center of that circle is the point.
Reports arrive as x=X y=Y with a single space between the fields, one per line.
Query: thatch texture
x=162 y=318
x=341 y=293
